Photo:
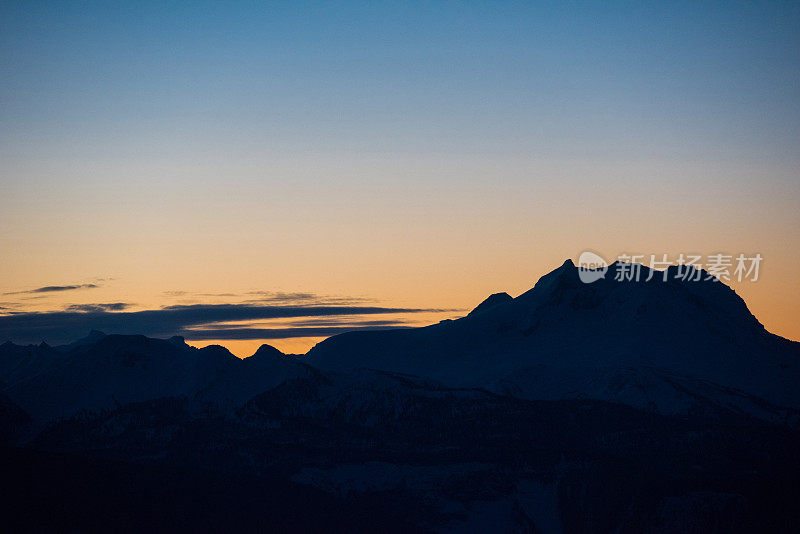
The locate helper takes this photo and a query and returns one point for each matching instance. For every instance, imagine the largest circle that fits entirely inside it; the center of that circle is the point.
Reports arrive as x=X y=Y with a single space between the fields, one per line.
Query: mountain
x=614 y=406
x=438 y=459
x=102 y=372
x=492 y=301
x=666 y=343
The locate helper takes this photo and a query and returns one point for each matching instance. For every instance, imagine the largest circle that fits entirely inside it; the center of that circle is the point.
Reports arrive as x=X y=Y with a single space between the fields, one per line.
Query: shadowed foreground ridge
x=658 y=406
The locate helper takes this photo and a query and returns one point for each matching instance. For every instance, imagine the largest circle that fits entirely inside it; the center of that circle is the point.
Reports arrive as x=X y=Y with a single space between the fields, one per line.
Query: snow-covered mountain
x=102 y=372
x=667 y=344
x=602 y=407
x=671 y=344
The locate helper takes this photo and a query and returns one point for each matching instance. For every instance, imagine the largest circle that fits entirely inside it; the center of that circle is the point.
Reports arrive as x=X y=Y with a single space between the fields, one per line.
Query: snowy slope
x=102 y=372
x=670 y=345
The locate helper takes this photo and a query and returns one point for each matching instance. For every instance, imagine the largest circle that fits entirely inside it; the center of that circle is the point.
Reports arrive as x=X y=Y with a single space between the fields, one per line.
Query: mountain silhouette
x=666 y=344
x=101 y=372
x=655 y=405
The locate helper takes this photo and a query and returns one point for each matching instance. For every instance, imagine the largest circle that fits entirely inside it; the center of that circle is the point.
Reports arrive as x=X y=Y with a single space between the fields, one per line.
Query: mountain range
x=665 y=344
x=528 y=414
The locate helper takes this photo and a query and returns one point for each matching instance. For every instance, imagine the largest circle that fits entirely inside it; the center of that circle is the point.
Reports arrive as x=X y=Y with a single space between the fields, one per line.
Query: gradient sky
x=402 y=155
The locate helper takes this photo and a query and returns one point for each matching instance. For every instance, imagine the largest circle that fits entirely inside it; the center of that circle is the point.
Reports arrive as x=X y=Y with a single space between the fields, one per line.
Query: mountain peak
x=217 y=352
x=492 y=301
x=93 y=337
x=267 y=351
x=178 y=341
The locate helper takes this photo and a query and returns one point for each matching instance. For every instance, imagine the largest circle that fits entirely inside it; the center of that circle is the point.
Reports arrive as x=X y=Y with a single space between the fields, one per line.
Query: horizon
x=284 y=328
x=403 y=157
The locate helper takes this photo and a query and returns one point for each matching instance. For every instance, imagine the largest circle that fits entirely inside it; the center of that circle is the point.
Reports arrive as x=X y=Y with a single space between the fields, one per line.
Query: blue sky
x=419 y=154
x=676 y=79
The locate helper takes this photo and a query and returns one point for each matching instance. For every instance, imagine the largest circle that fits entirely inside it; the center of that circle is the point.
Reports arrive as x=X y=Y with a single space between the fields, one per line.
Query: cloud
x=110 y=306
x=305 y=328
x=277 y=297
x=275 y=333
x=303 y=299
x=189 y=320
x=174 y=293
x=54 y=289
x=339 y=321
x=281 y=296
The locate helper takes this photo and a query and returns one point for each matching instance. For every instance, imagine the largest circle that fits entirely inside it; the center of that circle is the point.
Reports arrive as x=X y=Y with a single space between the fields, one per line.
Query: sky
x=280 y=172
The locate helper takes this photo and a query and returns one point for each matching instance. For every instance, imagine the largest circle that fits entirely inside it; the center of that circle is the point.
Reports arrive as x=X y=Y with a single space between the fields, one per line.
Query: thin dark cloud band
x=277 y=297
x=64 y=326
x=276 y=333
x=109 y=306
x=53 y=289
